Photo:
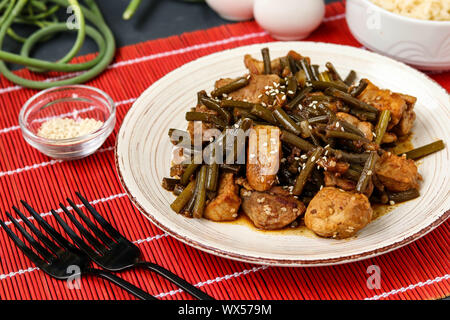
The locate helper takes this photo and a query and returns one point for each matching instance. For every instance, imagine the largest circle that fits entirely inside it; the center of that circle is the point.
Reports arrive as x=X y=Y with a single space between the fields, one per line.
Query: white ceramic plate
x=143 y=159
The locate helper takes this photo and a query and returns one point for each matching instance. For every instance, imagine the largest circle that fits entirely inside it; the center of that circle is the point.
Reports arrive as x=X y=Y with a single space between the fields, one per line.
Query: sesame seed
x=313 y=158
x=290 y=92
x=283 y=209
x=391 y=202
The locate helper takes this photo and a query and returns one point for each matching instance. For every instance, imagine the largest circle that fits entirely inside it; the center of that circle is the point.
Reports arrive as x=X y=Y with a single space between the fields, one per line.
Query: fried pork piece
x=254 y=92
x=336 y=180
x=333 y=180
x=400 y=105
x=273 y=209
x=257 y=66
x=397 y=173
x=337 y=213
x=203 y=127
x=363 y=126
x=389 y=137
x=331 y=164
x=263 y=157
x=407 y=120
x=225 y=205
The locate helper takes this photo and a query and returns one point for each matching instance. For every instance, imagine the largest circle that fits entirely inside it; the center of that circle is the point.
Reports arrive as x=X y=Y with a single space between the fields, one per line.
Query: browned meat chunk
x=331 y=164
x=273 y=209
x=254 y=92
x=225 y=206
x=176 y=170
x=385 y=100
x=332 y=180
x=407 y=121
x=257 y=66
x=203 y=127
x=389 y=137
x=337 y=213
x=263 y=157
x=397 y=173
x=363 y=126
x=336 y=180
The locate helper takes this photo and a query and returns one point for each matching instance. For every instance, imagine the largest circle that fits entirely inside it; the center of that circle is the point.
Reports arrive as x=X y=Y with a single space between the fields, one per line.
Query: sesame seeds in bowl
x=68 y=122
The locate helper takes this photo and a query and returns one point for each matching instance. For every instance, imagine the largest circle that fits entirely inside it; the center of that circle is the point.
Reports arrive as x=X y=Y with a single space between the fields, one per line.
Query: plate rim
x=273 y=261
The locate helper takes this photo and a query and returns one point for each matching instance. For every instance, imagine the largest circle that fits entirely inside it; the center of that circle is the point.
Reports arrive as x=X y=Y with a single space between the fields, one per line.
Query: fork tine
x=80 y=243
x=50 y=230
x=105 y=224
x=22 y=246
x=99 y=233
x=100 y=247
x=50 y=245
x=47 y=255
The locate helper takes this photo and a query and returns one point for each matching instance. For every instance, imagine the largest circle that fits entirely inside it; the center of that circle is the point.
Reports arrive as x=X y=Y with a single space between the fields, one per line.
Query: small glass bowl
x=74 y=102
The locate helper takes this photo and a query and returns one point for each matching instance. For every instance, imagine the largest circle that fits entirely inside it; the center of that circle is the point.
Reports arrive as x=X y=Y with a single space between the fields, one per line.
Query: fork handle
x=172 y=277
x=130 y=288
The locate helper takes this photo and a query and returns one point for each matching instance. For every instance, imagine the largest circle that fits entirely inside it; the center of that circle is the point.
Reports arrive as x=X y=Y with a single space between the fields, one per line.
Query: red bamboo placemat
x=417 y=271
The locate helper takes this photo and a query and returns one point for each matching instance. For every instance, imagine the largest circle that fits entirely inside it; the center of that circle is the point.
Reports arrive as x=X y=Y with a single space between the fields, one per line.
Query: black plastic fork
x=58 y=257
x=114 y=252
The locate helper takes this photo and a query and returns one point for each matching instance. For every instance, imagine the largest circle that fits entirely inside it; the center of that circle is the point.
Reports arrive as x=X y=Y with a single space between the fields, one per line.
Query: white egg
x=289 y=19
x=235 y=10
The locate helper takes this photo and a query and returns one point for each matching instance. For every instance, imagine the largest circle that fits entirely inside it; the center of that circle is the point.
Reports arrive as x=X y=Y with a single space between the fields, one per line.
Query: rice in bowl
x=436 y=10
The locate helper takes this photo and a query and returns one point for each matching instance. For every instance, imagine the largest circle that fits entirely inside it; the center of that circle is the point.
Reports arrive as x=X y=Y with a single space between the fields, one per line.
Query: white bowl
x=422 y=44
x=234 y=10
x=289 y=19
